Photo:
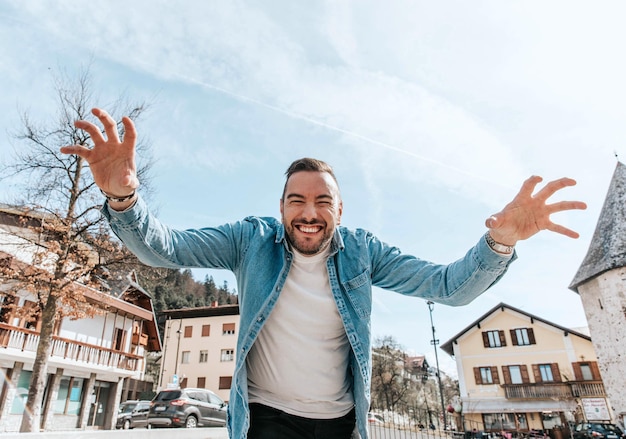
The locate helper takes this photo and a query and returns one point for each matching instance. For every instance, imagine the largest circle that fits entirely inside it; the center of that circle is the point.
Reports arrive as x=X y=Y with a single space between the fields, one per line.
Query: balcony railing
x=569 y=390
x=27 y=340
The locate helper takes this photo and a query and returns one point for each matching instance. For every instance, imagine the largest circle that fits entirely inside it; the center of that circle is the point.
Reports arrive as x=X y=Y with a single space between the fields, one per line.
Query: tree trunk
x=32 y=412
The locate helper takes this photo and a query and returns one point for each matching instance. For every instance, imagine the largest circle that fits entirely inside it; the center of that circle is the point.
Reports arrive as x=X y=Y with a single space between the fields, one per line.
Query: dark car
x=597 y=430
x=188 y=408
x=133 y=414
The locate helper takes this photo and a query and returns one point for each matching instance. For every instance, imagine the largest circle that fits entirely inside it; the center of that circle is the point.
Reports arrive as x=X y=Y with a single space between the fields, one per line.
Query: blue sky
x=432 y=114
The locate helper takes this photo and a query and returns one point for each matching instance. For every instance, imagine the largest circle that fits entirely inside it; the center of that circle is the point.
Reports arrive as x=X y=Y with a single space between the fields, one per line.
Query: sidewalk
x=139 y=433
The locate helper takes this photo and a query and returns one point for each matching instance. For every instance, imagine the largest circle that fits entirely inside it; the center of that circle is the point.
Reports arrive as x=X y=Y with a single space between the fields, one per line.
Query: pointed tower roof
x=608 y=245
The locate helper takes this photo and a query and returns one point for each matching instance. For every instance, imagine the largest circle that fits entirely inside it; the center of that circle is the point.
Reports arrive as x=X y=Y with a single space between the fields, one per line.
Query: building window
x=206 y=330
x=522 y=336
x=183 y=383
x=69 y=396
x=184 y=358
x=486 y=375
x=225 y=382
x=201 y=382
x=204 y=356
x=494 y=339
x=227 y=355
x=546 y=373
x=188 y=331
x=517 y=374
x=228 y=329
x=586 y=371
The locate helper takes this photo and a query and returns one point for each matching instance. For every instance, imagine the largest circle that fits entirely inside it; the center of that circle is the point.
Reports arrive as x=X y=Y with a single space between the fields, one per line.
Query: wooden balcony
x=26 y=340
x=567 y=390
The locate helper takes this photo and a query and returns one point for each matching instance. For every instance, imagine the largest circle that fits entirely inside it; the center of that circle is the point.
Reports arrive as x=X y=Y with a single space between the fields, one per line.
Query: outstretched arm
x=111 y=160
x=527 y=214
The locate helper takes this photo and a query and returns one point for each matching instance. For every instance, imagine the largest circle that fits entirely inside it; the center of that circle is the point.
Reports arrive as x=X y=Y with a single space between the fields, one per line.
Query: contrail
x=312 y=121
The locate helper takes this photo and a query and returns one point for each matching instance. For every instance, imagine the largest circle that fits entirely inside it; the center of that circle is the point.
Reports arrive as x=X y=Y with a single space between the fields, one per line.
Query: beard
x=305 y=245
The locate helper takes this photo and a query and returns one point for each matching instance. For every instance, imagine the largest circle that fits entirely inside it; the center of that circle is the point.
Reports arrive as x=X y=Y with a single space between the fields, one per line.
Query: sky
x=431 y=113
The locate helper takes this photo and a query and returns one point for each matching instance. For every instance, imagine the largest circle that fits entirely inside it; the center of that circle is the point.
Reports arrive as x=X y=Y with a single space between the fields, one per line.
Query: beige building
x=519 y=372
x=601 y=283
x=199 y=348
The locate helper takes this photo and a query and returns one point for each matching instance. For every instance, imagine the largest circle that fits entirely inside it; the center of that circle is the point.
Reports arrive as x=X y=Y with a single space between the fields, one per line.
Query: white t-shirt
x=299 y=362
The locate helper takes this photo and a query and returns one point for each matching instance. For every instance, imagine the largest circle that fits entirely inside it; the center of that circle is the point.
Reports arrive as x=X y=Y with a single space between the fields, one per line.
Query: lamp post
x=435 y=342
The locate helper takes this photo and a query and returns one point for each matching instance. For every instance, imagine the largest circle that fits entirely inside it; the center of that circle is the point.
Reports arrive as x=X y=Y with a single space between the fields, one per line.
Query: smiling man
x=303 y=363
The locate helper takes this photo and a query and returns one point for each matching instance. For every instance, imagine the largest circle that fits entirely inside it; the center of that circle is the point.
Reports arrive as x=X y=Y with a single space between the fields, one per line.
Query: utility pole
x=435 y=342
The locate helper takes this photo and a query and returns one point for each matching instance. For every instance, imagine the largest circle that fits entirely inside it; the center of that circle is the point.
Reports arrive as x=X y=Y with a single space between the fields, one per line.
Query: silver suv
x=188 y=408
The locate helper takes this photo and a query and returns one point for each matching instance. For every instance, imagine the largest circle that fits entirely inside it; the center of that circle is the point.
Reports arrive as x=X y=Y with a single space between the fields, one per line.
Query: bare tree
x=391 y=383
x=68 y=239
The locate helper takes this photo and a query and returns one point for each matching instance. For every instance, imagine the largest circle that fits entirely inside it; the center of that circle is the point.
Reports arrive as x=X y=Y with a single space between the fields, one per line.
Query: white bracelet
x=119 y=199
x=497 y=247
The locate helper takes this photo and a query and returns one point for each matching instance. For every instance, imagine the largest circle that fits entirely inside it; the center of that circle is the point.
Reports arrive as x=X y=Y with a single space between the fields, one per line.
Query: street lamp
x=435 y=342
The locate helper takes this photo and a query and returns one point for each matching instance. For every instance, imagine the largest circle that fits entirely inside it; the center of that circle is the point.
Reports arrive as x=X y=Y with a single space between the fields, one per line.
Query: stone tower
x=601 y=284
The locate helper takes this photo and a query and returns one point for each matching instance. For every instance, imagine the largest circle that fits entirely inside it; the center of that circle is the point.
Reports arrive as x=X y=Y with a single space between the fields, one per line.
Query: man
x=303 y=351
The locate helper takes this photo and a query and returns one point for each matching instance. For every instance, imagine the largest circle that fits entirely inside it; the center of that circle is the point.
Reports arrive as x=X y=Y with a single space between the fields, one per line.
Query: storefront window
x=69 y=396
x=505 y=421
x=21 y=394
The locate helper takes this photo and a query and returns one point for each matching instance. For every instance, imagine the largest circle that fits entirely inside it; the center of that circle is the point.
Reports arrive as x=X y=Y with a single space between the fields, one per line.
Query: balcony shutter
x=506 y=374
x=556 y=374
x=514 y=338
x=537 y=373
x=524 y=371
x=494 y=373
x=486 y=339
x=477 y=377
x=578 y=374
x=595 y=371
x=531 y=336
x=502 y=338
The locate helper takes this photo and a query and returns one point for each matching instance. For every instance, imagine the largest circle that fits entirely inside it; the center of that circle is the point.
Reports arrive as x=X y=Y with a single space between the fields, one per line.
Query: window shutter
x=206 y=330
x=228 y=327
x=506 y=374
x=536 y=373
x=477 y=376
x=578 y=374
x=524 y=372
x=502 y=338
x=595 y=370
x=494 y=374
x=531 y=336
x=486 y=339
x=514 y=338
x=188 y=331
x=225 y=382
x=556 y=374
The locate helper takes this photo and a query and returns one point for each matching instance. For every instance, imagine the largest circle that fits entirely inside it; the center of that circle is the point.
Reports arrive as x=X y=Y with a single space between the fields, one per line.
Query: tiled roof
x=607 y=249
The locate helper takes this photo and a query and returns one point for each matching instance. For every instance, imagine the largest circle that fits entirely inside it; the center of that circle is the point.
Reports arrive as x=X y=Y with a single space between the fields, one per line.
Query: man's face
x=310 y=210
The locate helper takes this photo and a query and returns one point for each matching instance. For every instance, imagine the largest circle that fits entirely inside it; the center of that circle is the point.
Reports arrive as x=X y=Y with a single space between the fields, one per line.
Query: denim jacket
x=256 y=251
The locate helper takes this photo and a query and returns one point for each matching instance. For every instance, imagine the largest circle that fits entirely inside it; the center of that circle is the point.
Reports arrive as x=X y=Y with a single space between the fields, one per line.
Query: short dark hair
x=308 y=164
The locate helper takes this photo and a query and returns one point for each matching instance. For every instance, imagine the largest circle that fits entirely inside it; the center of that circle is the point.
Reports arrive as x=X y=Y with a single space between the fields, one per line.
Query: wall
x=604 y=300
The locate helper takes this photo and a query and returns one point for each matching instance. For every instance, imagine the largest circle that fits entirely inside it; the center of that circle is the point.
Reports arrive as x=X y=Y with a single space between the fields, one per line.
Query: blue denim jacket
x=256 y=251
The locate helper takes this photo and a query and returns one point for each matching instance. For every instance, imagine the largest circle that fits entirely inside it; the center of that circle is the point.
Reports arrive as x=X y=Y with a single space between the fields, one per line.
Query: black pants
x=270 y=423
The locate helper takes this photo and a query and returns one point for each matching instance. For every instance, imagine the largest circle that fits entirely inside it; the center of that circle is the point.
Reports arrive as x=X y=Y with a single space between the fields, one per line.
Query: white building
x=90 y=359
x=601 y=283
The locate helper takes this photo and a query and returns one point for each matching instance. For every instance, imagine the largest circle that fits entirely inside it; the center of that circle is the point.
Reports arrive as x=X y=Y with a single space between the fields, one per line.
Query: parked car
x=374 y=419
x=597 y=430
x=133 y=414
x=188 y=408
